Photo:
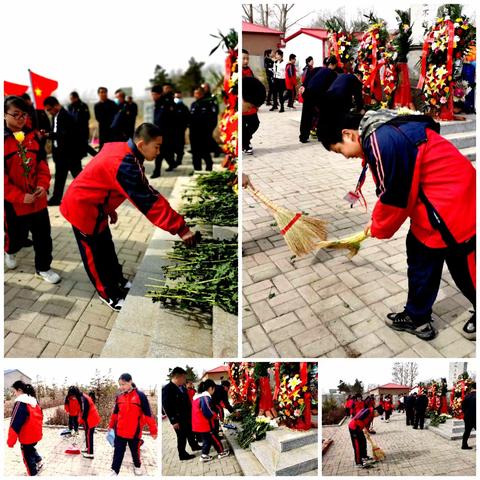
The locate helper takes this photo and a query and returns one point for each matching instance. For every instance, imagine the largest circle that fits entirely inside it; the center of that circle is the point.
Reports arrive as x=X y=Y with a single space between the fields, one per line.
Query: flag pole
x=37 y=122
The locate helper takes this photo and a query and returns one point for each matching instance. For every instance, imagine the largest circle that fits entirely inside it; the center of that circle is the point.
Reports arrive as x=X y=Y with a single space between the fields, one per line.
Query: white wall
x=303 y=46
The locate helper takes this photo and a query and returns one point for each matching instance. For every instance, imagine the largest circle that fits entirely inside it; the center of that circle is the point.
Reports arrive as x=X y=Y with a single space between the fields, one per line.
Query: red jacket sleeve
x=43 y=175
x=133 y=183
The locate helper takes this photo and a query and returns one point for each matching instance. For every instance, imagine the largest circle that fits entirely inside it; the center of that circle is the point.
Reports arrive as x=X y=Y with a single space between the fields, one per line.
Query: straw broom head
x=351 y=243
x=301 y=232
x=377 y=452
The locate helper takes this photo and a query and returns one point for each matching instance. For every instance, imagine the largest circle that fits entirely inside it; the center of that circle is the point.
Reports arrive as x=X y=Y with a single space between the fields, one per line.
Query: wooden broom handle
x=262 y=198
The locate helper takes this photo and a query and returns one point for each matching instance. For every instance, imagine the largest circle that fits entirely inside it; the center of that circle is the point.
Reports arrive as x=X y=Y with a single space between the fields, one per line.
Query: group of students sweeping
x=130 y=415
x=418 y=175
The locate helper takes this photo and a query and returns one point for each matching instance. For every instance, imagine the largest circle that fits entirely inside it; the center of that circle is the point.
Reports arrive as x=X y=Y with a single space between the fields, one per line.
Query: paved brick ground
x=326 y=304
x=57 y=463
x=172 y=466
x=408 y=452
x=68 y=319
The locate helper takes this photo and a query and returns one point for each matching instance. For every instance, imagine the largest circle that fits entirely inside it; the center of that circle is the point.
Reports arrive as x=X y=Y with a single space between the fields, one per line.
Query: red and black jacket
x=203 y=414
x=17 y=181
x=358 y=406
x=387 y=405
x=362 y=419
x=72 y=407
x=247 y=71
x=114 y=175
x=131 y=413
x=26 y=422
x=419 y=175
x=290 y=76
x=90 y=416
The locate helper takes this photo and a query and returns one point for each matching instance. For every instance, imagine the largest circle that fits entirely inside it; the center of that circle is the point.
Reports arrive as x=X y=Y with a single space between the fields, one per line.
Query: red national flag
x=42 y=88
x=10 y=88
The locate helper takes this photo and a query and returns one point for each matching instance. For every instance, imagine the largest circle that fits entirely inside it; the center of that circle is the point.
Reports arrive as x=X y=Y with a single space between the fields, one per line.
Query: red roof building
x=216 y=374
x=391 y=388
x=257 y=38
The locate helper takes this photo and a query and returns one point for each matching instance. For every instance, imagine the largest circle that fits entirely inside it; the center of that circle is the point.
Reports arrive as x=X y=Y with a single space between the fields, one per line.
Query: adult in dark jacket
x=178 y=408
x=67 y=146
x=410 y=409
x=469 y=409
x=105 y=110
x=268 y=66
x=181 y=120
x=315 y=88
x=133 y=115
x=81 y=114
x=203 y=120
x=421 y=403
x=121 y=126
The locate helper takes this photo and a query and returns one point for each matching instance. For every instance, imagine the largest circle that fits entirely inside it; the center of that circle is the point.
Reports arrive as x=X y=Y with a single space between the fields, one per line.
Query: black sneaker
x=115 y=304
x=273 y=108
x=248 y=151
x=187 y=456
x=470 y=328
x=403 y=323
x=155 y=175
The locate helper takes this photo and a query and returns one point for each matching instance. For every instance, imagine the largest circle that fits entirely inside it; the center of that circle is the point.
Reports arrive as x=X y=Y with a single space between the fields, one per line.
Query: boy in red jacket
x=422 y=176
x=114 y=175
x=291 y=80
x=359 y=424
x=26 y=426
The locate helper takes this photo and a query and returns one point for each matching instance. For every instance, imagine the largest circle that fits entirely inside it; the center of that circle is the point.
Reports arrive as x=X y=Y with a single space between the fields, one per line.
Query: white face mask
x=178 y=100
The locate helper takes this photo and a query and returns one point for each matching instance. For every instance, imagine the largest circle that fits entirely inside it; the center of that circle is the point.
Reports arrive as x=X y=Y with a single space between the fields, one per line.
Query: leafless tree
x=281 y=12
x=248 y=13
x=405 y=373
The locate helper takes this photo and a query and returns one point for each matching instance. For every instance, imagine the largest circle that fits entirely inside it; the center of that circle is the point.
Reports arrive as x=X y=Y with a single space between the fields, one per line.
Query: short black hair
x=209 y=383
x=26 y=96
x=125 y=377
x=177 y=370
x=74 y=94
x=102 y=88
x=14 y=101
x=308 y=59
x=157 y=89
x=268 y=51
x=226 y=383
x=280 y=52
x=331 y=60
x=330 y=128
x=119 y=91
x=244 y=50
x=51 y=102
x=292 y=56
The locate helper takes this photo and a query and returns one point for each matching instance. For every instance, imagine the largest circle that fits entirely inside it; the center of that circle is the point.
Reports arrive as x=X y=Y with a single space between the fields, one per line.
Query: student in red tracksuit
x=26 y=426
x=291 y=80
x=358 y=404
x=114 y=175
x=388 y=407
x=357 y=425
x=72 y=407
x=26 y=182
x=348 y=405
x=421 y=176
x=86 y=414
x=130 y=414
x=203 y=421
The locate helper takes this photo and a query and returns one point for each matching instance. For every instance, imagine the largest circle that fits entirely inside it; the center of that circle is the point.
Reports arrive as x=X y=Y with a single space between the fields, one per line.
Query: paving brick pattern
x=68 y=319
x=52 y=449
x=408 y=452
x=172 y=466
x=325 y=304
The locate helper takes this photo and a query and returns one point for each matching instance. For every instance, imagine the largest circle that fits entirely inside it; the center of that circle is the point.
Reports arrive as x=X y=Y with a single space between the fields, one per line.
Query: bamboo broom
x=377 y=452
x=351 y=243
x=301 y=233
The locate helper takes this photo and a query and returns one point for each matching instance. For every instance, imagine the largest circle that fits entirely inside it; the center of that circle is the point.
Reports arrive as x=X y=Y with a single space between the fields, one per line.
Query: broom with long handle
x=301 y=233
x=377 y=452
x=351 y=243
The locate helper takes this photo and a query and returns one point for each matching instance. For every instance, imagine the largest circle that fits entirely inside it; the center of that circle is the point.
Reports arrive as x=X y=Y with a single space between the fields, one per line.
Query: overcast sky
x=376 y=371
x=88 y=43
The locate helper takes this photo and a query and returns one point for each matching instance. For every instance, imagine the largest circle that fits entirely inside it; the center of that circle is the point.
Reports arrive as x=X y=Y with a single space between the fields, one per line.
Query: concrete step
x=457 y=126
x=462 y=139
x=284 y=439
x=296 y=462
x=470 y=153
x=451 y=430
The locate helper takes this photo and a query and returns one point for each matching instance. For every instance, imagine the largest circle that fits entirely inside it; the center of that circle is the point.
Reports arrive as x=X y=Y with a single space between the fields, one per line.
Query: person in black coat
x=410 y=408
x=181 y=119
x=203 y=120
x=105 y=110
x=122 y=121
x=315 y=88
x=469 y=409
x=68 y=148
x=344 y=93
x=178 y=408
x=421 y=403
x=81 y=114
x=268 y=66
x=133 y=114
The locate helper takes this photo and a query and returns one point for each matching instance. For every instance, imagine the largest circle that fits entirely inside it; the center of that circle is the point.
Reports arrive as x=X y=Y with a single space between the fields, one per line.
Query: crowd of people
x=130 y=415
x=418 y=175
x=115 y=173
x=196 y=415
x=363 y=410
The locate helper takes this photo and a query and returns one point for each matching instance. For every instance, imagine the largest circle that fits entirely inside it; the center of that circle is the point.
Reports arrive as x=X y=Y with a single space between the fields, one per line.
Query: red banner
x=10 y=88
x=42 y=88
x=403 y=94
x=305 y=423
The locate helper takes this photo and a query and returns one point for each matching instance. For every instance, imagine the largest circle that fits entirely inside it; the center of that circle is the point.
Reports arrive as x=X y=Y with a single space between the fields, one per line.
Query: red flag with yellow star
x=42 y=88
x=10 y=88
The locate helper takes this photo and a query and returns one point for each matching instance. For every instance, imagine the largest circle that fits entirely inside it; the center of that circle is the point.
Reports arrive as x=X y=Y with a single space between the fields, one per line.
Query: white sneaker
x=114 y=304
x=10 y=261
x=224 y=454
x=137 y=470
x=50 y=276
x=87 y=455
x=205 y=458
x=127 y=285
x=113 y=473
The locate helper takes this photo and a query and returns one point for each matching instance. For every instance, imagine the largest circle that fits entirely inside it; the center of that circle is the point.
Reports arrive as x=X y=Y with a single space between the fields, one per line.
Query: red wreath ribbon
x=266 y=400
x=277 y=380
x=305 y=423
x=403 y=93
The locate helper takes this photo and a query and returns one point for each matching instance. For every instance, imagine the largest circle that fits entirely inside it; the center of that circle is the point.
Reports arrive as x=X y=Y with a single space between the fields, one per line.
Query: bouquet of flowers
x=342 y=43
x=434 y=391
x=291 y=399
x=460 y=389
x=460 y=90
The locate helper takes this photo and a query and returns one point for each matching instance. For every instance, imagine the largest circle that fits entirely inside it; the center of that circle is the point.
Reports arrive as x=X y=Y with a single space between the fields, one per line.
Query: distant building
x=307 y=42
x=394 y=389
x=256 y=39
x=11 y=376
x=216 y=374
